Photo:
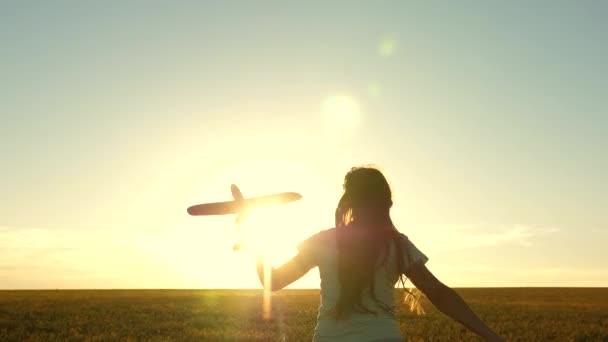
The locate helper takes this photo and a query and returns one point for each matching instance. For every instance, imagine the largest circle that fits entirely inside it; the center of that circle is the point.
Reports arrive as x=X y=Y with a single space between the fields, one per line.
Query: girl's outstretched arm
x=449 y=302
x=286 y=274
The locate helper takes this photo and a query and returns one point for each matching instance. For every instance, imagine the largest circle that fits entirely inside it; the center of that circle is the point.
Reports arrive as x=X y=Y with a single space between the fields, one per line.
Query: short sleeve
x=310 y=250
x=411 y=254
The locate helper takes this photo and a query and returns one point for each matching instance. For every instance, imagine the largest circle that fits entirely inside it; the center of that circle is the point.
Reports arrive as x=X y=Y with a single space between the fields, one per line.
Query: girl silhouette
x=360 y=261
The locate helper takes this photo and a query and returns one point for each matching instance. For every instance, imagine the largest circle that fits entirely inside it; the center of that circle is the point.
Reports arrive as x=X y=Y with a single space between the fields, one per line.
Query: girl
x=360 y=261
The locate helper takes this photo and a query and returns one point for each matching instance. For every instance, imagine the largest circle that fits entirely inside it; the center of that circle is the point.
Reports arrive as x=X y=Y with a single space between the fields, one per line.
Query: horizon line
x=296 y=289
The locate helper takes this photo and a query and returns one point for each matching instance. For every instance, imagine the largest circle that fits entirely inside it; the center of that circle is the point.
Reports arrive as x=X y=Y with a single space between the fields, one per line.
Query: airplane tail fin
x=236 y=193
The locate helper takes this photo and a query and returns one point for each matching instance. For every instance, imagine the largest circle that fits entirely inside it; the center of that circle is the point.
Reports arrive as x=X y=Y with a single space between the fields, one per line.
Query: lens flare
x=387 y=46
x=374 y=90
x=342 y=115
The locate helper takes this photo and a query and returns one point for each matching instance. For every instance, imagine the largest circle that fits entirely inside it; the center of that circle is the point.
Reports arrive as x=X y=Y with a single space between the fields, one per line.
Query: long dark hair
x=365 y=204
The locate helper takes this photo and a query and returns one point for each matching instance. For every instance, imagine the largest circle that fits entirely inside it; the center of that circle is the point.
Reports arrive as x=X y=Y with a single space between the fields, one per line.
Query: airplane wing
x=240 y=205
x=216 y=208
x=272 y=200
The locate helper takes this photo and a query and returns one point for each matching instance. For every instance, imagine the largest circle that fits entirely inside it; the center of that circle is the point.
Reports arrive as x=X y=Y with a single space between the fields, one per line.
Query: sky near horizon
x=489 y=119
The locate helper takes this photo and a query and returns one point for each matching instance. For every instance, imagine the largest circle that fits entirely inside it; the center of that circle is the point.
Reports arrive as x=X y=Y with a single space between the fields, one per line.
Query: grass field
x=519 y=314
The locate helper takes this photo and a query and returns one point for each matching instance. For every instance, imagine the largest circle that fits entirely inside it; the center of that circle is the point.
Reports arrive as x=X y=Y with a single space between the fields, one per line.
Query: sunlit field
x=519 y=314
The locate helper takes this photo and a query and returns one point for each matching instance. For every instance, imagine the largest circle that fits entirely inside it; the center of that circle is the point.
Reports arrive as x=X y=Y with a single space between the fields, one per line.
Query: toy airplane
x=241 y=206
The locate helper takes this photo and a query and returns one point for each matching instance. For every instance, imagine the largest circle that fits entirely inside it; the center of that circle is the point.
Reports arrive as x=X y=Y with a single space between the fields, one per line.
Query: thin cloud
x=475 y=236
x=51 y=258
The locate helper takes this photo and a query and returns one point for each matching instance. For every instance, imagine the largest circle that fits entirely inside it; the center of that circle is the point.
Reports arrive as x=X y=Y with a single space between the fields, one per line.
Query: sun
x=273 y=232
x=267 y=233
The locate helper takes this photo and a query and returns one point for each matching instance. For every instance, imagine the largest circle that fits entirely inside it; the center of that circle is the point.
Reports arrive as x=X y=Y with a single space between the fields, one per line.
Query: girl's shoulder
x=312 y=249
x=318 y=240
x=323 y=236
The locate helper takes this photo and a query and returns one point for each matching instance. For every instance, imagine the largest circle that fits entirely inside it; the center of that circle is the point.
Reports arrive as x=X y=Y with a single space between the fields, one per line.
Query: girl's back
x=321 y=250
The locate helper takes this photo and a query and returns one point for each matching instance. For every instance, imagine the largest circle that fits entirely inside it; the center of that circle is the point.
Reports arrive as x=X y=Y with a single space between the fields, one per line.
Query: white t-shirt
x=321 y=250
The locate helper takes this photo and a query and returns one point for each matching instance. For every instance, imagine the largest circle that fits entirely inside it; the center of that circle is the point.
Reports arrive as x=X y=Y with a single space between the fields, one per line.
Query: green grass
x=519 y=314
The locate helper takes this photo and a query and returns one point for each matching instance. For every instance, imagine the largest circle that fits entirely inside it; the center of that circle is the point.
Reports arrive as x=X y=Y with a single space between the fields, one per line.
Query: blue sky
x=488 y=118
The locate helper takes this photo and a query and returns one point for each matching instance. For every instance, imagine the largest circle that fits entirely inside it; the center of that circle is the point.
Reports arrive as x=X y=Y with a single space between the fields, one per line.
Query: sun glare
x=272 y=232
